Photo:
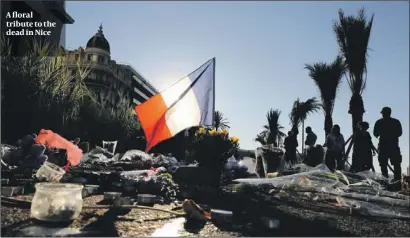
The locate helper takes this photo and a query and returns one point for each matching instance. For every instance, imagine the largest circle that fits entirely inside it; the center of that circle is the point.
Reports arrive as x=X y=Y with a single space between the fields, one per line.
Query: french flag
x=187 y=103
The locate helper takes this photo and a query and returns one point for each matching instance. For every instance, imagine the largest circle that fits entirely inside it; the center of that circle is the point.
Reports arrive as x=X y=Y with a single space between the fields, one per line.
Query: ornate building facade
x=111 y=81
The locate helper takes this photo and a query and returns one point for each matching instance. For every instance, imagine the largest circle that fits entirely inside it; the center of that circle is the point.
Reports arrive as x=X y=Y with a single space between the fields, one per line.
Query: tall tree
x=299 y=113
x=220 y=121
x=353 y=35
x=327 y=78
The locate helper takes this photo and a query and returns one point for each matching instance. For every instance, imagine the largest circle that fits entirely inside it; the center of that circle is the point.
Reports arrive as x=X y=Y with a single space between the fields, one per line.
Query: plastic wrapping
x=133 y=155
x=363 y=193
x=249 y=163
x=231 y=164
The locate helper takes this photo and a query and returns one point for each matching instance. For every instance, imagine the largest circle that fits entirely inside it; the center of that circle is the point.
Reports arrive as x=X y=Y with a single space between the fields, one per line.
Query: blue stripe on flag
x=203 y=89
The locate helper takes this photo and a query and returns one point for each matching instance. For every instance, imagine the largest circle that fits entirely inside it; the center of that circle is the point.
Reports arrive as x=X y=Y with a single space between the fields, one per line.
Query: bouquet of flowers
x=212 y=148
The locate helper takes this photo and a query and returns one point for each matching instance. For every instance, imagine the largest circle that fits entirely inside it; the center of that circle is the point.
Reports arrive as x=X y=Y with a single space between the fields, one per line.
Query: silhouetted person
x=291 y=144
x=311 y=137
x=335 y=144
x=363 y=149
x=388 y=130
x=310 y=142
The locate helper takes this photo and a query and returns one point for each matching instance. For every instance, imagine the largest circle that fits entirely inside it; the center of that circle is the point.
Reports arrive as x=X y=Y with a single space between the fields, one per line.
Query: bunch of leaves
x=38 y=86
x=161 y=185
x=212 y=147
x=301 y=109
x=169 y=189
x=105 y=122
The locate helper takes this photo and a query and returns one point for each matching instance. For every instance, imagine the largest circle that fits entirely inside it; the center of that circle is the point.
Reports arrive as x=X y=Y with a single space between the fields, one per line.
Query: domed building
x=111 y=81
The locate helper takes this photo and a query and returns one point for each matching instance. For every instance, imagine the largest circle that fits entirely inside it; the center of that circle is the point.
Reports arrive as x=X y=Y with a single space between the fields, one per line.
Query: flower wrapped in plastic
x=212 y=148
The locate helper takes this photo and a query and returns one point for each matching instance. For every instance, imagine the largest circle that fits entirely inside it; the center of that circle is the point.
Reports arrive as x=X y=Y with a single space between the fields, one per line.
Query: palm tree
x=261 y=138
x=327 y=78
x=220 y=121
x=353 y=35
x=299 y=113
x=273 y=130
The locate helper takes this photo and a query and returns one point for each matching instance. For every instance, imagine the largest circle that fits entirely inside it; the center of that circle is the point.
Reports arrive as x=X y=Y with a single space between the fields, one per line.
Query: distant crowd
x=387 y=130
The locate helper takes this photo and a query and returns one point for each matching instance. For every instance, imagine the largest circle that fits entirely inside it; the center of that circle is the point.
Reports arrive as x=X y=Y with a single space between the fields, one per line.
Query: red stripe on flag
x=151 y=115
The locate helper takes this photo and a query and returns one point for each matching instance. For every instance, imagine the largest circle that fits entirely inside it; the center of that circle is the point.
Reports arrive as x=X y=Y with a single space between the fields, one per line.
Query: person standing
x=311 y=159
x=364 y=148
x=388 y=130
x=291 y=144
x=335 y=144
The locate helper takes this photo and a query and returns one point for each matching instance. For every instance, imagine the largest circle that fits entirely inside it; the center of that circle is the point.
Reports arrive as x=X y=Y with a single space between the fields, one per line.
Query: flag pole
x=213 y=109
x=184 y=146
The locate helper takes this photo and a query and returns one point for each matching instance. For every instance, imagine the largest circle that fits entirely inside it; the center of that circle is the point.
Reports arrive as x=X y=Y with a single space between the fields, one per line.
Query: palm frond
x=273 y=129
x=327 y=78
x=301 y=110
x=261 y=138
x=220 y=121
x=353 y=35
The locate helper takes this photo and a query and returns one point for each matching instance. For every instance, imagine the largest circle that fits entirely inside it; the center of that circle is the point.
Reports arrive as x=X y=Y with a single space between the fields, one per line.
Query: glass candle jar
x=57 y=202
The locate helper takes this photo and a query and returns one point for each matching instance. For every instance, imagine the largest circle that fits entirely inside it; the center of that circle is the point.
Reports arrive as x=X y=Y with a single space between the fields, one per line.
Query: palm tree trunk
x=356 y=109
x=303 y=138
x=328 y=124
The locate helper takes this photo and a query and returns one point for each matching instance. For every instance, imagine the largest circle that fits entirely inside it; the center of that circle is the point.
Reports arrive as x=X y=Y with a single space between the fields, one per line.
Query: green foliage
x=261 y=138
x=107 y=123
x=353 y=36
x=327 y=77
x=38 y=92
x=301 y=110
x=273 y=130
x=212 y=148
x=220 y=121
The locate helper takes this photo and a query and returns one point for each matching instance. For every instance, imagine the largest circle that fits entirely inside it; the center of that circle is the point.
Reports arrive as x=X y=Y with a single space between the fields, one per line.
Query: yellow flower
x=225 y=131
x=212 y=132
x=201 y=130
x=234 y=139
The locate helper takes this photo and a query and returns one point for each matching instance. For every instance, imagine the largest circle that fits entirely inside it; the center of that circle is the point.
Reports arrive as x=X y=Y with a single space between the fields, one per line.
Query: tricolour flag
x=188 y=102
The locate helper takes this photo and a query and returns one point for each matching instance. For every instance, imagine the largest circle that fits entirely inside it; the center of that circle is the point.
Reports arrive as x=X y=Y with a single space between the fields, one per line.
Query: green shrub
x=101 y=122
x=38 y=92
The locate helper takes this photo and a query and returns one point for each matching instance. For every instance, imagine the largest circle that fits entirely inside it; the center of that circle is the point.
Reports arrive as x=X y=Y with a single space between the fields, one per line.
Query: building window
x=77 y=57
x=101 y=59
x=89 y=57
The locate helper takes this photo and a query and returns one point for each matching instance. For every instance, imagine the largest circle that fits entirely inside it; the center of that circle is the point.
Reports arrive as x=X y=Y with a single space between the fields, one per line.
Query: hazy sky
x=260 y=50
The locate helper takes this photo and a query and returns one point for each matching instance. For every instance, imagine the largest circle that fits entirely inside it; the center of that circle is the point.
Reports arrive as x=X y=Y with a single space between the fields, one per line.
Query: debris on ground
x=116 y=185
